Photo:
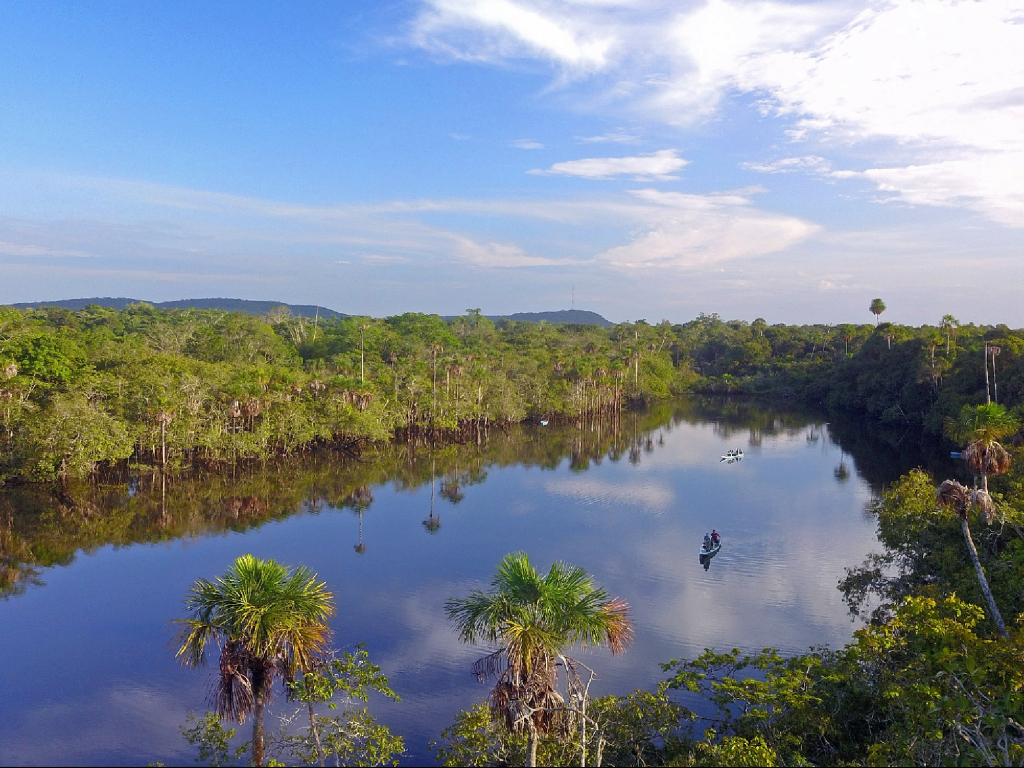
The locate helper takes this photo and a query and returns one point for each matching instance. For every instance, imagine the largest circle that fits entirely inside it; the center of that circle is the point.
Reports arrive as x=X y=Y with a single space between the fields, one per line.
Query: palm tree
x=994 y=351
x=268 y=620
x=534 y=619
x=981 y=428
x=961 y=499
x=948 y=325
x=877 y=308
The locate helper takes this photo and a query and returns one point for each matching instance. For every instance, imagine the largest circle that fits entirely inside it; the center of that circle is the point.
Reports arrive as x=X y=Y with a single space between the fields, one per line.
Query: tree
x=354 y=737
x=949 y=324
x=961 y=500
x=846 y=333
x=981 y=428
x=71 y=435
x=268 y=620
x=535 y=619
x=877 y=308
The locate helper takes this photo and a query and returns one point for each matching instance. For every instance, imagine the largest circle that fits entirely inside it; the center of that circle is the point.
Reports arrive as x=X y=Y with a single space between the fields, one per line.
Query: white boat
x=732 y=456
x=712 y=551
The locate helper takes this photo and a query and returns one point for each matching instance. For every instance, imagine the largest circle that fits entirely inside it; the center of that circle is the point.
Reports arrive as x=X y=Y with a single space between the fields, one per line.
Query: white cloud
x=491 y=30
x=500 y=254
x=180 y=231
x=527 y=144
x=701 y=230
x=991 y=184
x=929 y=92
x=657 y=165
x=616 y=137
x=807 y=164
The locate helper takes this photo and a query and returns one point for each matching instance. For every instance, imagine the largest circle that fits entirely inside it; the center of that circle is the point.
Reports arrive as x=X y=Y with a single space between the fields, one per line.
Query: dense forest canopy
x=174 y=387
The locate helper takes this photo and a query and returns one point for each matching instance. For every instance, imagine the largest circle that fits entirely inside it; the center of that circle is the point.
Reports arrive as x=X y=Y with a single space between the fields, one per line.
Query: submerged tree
x=535 y=619
x=268 y=620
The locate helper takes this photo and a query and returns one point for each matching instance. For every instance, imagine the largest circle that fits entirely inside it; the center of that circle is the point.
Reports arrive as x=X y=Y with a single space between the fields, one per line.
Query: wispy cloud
x=184 y=230
x=614 y=137
x=928 y=92
x=806 y=164
x=491 y=30
x=659 y=165
x=501 y=255
x=22 y=249
x=527 y=144
x=701 y=230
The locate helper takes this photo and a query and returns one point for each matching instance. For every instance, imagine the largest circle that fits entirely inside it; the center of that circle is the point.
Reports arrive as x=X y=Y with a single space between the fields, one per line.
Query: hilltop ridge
x=230 y=305
x=571 y=316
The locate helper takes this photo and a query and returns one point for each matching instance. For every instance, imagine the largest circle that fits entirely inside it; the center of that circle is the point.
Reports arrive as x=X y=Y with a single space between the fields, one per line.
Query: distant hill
x=571 y=316
x=231 y=305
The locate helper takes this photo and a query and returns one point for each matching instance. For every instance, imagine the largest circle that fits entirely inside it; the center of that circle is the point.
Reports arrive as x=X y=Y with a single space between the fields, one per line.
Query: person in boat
x=707 y=542
x=715 y=538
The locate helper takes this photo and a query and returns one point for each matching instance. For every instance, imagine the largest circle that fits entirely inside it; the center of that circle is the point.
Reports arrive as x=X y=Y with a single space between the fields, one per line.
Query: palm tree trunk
x=316 y=735
x=995 y=383
x=257 y=725
x=982 y=581
x=531 y=748
x=988 y=393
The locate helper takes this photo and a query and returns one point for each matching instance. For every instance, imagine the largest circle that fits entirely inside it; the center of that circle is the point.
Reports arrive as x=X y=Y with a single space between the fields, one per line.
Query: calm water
x=90 y=674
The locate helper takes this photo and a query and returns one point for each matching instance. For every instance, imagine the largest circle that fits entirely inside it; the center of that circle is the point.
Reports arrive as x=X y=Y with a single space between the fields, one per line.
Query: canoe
x=708 y=552
x=732 y=457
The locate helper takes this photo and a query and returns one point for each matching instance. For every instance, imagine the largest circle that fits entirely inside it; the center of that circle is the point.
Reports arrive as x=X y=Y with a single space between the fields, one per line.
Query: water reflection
x=118 y=562
x=38 y=531
x=707 y=557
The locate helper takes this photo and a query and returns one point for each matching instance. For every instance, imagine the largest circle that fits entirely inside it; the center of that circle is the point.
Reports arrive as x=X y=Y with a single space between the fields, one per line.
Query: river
x=85 y=628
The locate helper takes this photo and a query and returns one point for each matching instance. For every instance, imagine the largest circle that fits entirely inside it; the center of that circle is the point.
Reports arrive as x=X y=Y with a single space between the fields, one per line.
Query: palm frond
x=232 y=696
x=269 y=620
x=492 y=665
x=955 y=496
x=534 y=618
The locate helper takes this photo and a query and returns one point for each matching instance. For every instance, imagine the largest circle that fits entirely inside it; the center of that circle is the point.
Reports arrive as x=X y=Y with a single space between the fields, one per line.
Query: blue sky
x=784 y=160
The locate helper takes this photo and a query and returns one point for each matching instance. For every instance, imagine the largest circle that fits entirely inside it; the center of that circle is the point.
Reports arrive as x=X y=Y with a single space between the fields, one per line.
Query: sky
x=641 y=159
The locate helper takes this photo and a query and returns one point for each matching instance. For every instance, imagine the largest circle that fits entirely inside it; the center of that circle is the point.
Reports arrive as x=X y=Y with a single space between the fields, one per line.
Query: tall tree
x=980 y=428
x=961 y=500
x=877 y=308
x=269 y=622
x=949 y=324
x=535 y=619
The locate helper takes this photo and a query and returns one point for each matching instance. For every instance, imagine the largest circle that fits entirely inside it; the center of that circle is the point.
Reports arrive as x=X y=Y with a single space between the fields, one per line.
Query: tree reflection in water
x=40 y=529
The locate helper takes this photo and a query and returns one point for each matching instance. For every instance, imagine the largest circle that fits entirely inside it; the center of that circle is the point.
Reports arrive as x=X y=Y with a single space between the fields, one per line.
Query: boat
x=712 y=551
x=543 y=422
x=731 y=456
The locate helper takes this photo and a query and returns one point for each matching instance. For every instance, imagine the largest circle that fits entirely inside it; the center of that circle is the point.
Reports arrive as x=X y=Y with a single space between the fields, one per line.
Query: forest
x=99 y=388
x=932 y=677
